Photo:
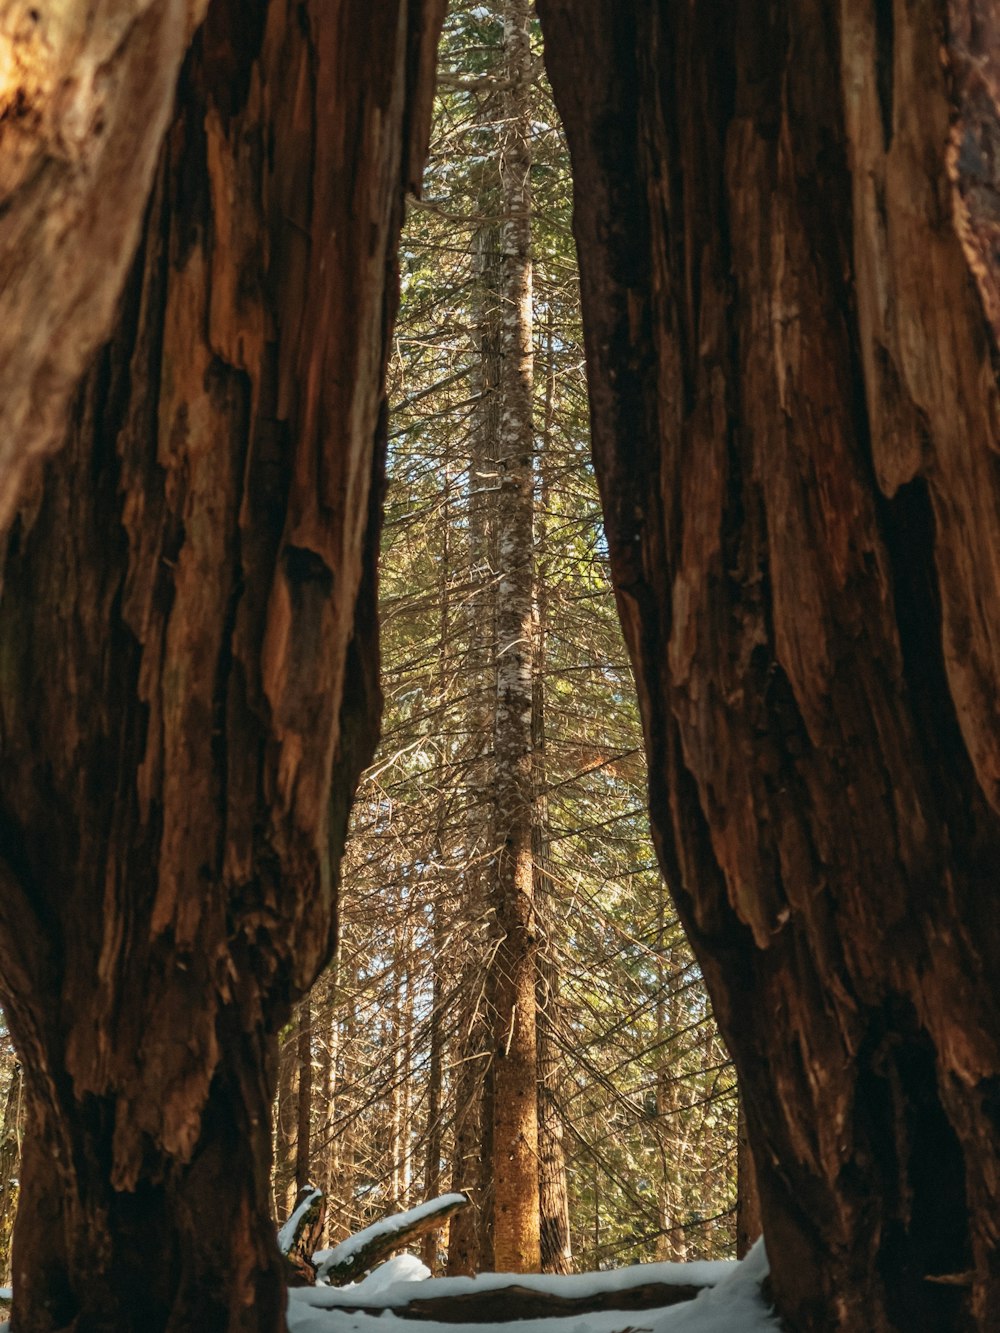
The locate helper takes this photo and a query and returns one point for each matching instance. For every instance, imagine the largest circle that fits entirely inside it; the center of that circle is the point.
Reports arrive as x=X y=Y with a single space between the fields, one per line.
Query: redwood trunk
x=786 y=225
x=188 y=650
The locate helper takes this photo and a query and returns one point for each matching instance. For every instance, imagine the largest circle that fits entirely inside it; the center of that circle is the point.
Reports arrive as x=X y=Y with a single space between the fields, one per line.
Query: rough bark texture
x=85 y=96
x=11 y=1134
x=787 y=232
x=511 y=990
x=187 y=654
x=747 y=1196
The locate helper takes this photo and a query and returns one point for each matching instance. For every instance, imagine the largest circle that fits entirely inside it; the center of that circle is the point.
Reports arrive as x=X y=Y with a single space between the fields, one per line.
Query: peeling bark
x=188 y=668
x=787 y=233
x=85 y=97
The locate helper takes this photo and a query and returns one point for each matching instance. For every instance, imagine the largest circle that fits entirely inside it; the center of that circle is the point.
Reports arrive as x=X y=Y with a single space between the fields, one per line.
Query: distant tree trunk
x=283 y=1172
x=188 y=644
x=464 y=1233
x=787 y=232
x=11 y=1135
x=556 y=1251
x=327 y=1028
x=435 y=1086
x=671 y=1245
x=512 y=976
x=747 y=1198
x=304 y=1099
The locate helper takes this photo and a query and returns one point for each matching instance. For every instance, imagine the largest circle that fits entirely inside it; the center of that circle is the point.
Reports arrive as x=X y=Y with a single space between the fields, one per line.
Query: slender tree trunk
x=470 y=1232
x=464 y=1235
x=284 y=1129
x=786 y=226
x=11 y=1136
x=327 y=1027
x=553 y=1195
x=671 y=1245
x=188 y=646
x=435 y=1087
x=304 y=1098
x=512 y=980
x=747 y=1198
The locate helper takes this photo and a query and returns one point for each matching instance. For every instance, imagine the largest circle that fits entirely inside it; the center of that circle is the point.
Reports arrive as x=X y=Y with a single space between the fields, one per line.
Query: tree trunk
x=786 y=231
x=84 y=103
x=555 y=1246
x=303 y=1101
x=512 y=975
x=11 y=1134
x=283 y=1170
x=188 y=648
x=747 y=1198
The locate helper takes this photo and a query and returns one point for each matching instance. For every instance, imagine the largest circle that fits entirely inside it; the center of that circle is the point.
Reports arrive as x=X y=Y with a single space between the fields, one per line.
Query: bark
x=188 y=654
x=11 y=1134
x=303 y=1104
x=283 y=1170
x=747 y=1197
x=786 y=232
x=556 y=1249
x=465 y=1232
x=511 y=989
x=85 y=98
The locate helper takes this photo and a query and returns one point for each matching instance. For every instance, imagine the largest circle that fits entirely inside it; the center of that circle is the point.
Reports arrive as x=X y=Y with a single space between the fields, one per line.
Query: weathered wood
x=375 y=1249
x=502 y=1304
x=787 y=223
x=299 y=1242
x=188 y=667
x=85 y=97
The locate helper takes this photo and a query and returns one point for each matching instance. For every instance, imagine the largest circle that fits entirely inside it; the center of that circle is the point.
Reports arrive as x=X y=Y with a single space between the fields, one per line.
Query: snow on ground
x=732 y=1305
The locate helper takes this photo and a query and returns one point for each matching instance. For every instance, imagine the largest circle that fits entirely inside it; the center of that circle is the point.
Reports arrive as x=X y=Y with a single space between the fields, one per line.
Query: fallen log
x=361 y=1252
x=502 y=1304
x=300 y=1235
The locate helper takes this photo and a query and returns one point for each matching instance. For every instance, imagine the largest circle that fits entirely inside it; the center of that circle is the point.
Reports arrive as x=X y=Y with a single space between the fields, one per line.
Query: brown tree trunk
x=786 y=226
x=303 y=1099
x=514 y=1159
x=85 y=100
x=188 y=648
x=747 y=1197
x=11 y=1135
x=283 y=1171
x=555 y=1246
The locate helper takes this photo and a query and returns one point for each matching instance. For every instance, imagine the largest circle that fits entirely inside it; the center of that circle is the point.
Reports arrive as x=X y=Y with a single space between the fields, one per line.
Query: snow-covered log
x=493 y=1298
x=363 y=1251
x=297 y=1238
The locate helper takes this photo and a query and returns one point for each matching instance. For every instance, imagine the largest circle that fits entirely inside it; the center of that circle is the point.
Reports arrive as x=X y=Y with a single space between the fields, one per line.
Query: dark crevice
x=918 y=1158
x=884 y=45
